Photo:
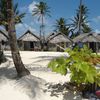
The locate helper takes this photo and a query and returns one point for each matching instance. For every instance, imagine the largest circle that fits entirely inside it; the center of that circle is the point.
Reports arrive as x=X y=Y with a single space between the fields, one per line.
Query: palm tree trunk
x=42 y=30
x=43 y=27
x=80 y=18
x=21 y=70
x=40 y=37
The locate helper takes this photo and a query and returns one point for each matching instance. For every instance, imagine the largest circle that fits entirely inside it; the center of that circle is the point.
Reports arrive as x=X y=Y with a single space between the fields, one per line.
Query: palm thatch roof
x=86 y=37
x=50 y=36
x=3 y=35
x=58 y=38
x=29 y=36
x=98 y=36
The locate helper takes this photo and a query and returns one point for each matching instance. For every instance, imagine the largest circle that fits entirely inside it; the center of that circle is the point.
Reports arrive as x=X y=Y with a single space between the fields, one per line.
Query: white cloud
x=96 y=19
x=32 y=6
x=21 y=28
x=25 y=26
x=97 y=31
x=88 y=24
x=18 y=26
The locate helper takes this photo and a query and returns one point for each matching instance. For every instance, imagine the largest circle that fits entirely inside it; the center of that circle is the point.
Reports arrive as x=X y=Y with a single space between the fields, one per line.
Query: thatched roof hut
x=28 y=41
x=29 y=36
x=4 y=43
x=86 y=37
x=58 y=41
x=98 y=36
x=90 y=39
x=58 y=38
x=3 y=35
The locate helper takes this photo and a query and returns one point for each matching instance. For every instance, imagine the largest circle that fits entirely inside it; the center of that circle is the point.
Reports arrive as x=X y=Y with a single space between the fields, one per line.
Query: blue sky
x=58 y=8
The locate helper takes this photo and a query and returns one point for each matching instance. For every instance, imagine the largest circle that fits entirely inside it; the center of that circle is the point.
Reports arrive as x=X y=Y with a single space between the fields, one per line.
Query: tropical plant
x=21 y=70
x=3 y=14
x=41 y=11
x=61 y=26
x=3 y=20
x=80 y=22
x=80 y=64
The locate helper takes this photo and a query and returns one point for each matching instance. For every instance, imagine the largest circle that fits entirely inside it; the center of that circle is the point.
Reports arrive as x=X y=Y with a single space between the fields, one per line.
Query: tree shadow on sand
x=7 y=71
x=63 y=89
x=44 y=58
x=29 y=85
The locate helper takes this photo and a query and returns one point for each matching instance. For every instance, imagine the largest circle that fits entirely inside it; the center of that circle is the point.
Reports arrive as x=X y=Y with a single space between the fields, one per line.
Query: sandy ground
x=42 y=84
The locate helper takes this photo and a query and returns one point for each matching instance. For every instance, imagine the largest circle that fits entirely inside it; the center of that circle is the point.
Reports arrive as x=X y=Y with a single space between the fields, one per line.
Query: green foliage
x=81 y=68
x=59 y=66
x=61 y=26
x=3 y=14
x=80 y=21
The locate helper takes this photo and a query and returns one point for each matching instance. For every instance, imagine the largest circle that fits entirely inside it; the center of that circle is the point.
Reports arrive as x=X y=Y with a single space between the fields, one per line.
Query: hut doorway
x=32 y=45
x=28 y=45
x=92 y=45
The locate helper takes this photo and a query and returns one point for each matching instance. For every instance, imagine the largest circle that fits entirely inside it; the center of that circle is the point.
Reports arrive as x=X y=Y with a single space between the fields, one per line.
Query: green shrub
x=81 y=65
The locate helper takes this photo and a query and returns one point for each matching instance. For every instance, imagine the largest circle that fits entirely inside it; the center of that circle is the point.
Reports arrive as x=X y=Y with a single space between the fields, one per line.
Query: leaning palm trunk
x=21 y=70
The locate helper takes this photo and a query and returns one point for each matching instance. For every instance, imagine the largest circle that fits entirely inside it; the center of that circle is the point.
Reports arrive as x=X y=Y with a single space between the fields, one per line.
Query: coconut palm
x=3 y=14
x=80 y=22
x=3 y=20
x=21 y=70
x=41 y=11
x=61 y=26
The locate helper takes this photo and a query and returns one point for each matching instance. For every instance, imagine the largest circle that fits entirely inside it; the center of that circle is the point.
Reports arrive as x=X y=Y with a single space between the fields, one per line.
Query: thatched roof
x=98 y=36
x=86 y=37
x=29 y=36
x=3 y=35
x=58 y=38
x=50 y=36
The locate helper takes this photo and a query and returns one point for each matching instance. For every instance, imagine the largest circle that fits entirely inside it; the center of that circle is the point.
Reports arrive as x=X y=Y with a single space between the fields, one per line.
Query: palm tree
x=61 y=26
x=3 y=21
x=41 y=11
x=80 y=23
x=3 y=14
x=21 y=70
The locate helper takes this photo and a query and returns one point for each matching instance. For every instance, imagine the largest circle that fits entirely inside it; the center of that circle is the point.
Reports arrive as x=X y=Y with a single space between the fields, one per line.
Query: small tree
x=3 y=14
x=3 y=21
x=21 y=70
x=81 y=64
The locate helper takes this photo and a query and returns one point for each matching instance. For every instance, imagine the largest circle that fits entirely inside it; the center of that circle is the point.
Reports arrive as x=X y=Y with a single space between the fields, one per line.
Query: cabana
x=29 y=41
x=58 y=41
x=98 y=36
x=4 y=43
x=89 y=39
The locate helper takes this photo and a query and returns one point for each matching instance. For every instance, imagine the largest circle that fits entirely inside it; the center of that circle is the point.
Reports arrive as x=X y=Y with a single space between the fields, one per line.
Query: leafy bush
x=81 y=65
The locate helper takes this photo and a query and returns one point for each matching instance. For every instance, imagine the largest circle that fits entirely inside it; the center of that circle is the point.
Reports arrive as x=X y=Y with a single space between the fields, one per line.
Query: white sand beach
x=40 y=85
